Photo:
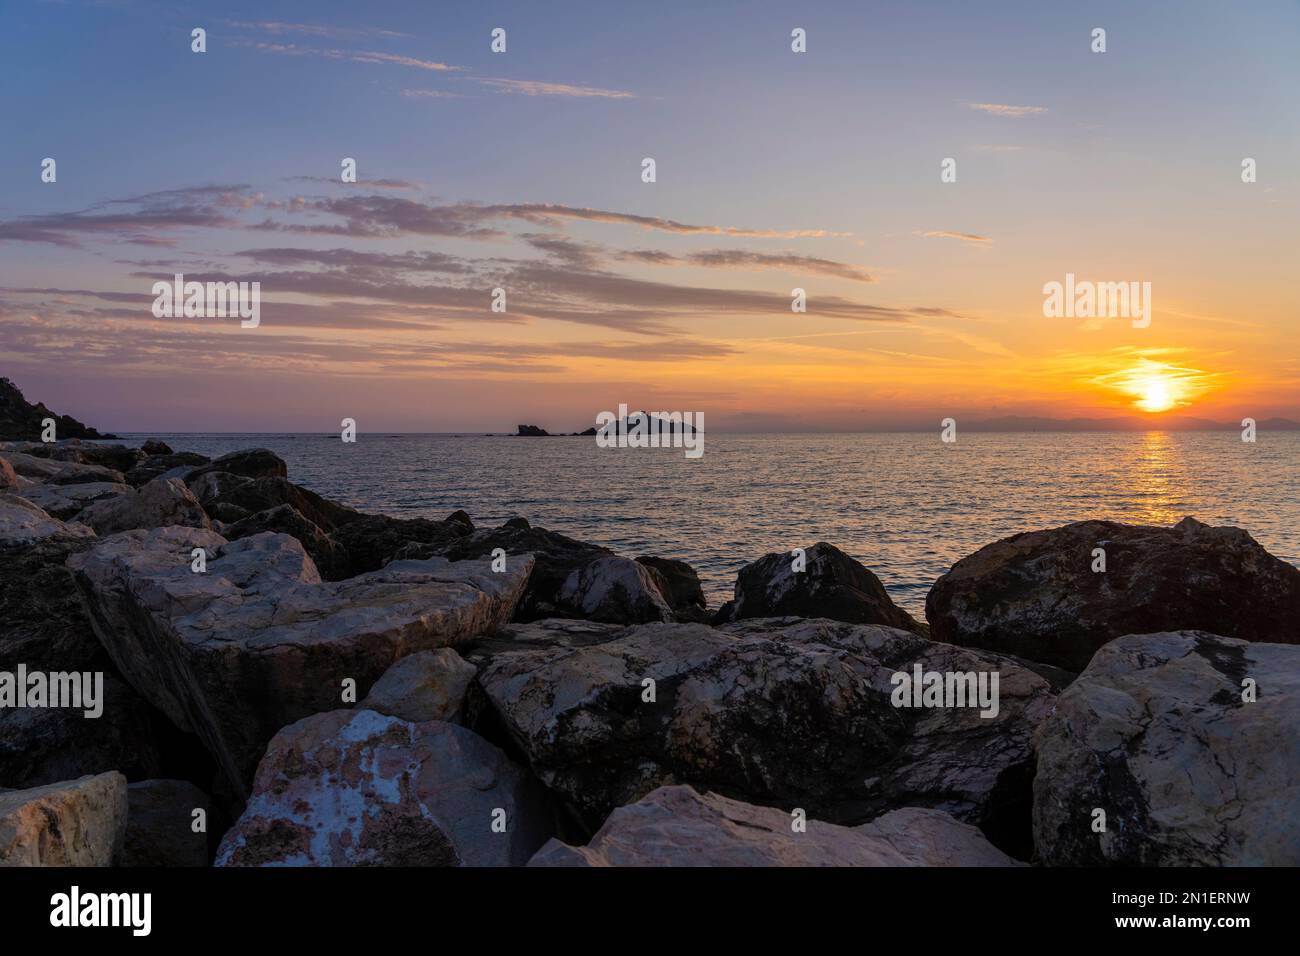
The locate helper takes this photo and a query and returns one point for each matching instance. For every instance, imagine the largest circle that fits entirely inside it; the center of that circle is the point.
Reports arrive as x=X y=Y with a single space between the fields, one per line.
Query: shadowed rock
x=1036 y=595
x=676 y=826
x=73 y=823
x=160 y=824
x=247 y=463
x=1156 y=733
x=358 y=788
x=832 y=585
x=258 y=641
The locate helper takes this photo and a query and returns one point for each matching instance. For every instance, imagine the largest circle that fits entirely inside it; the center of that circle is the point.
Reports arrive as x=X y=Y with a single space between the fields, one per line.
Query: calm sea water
x=905 y=505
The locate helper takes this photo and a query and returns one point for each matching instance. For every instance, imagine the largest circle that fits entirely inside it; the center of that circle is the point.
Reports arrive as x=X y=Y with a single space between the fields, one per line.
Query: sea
x=906 y=505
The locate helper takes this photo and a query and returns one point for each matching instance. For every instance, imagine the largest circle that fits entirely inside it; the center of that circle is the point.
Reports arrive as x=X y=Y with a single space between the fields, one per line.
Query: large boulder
x=44 y=628
x=358 y=788
x=160 y=824
x=784 y=712
x=66 y=501
x=615 y=590
x=8 y=477
x=243 y=497
x=247 y=463
x=258 y=640
x=55 y=472
x=1157 y=733
x=73 y=823
x=579 y=580
x=1036 y=594
x=679 y=583
x=23 y=523
x=429 y=685
x=161 y=503
x=676 y=826
x=830 y=585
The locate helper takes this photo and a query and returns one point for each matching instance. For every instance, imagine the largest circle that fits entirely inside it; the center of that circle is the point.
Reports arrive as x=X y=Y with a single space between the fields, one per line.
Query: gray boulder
x=1156 y=733
x=161 y=503
x=259 y=641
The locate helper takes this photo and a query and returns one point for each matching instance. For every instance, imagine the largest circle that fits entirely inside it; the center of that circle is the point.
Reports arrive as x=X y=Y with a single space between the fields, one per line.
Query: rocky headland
x=322 y=686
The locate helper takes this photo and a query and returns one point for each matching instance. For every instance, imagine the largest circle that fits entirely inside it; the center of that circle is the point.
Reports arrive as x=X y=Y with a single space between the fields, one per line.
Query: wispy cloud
x=1003 y=109
x=539 y=88
x=355 y=56
x=963 y=236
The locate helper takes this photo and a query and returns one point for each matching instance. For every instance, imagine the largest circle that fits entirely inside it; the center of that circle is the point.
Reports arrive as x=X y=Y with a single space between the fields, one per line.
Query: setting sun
x=1155 y=396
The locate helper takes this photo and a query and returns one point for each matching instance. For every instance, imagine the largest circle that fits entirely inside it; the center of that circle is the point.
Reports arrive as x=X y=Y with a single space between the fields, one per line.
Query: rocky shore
x=289 y=681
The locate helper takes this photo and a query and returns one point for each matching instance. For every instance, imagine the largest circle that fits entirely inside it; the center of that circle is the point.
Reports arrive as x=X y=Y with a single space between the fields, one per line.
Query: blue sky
x=1125 y=167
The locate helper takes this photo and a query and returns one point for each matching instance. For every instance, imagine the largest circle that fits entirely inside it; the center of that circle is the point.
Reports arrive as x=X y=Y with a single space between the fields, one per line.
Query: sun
x=1155 y=395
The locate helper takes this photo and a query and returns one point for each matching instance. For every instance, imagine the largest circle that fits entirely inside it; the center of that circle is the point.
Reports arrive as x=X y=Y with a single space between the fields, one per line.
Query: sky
x=774 y=171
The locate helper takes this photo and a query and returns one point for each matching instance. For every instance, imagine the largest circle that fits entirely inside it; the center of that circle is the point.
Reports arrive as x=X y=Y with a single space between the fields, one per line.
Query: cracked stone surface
x=1035 y=594
x=259 y=641
x=786 y=712
x=1155 y=733
x=359 y=788
x=677 y=826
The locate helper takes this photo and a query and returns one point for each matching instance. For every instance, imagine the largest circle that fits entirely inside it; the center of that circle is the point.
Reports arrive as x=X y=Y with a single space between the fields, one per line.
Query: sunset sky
x=775 y=170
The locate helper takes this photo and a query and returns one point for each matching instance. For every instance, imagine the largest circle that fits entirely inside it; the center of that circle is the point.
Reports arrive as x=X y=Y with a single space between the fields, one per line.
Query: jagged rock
x=247 y=463
x=1036 y=595
x=211 y=487
x=20 y=420
x=155 y=447
x=532 y=431
x=8 y=477
x=676 y=826
x=330 y=557
x=160 y=824
x=615 y=590
x=1156 y=733
x=254 y=495
x=571 y=578
x=358 y=788
x=430 y=685
x=54 y=472
x=832 y=585
x=23 y=523
x=792 y=713
x=66 y=501
x=371 y=541
x=160 y=503
x=179 y=465
x=73 y=823
x=679 y=584
x=258 y=641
